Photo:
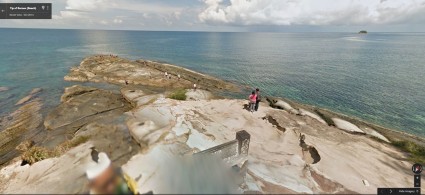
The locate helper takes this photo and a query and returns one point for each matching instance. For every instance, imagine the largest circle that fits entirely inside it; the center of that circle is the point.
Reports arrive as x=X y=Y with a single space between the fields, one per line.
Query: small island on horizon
x=363 y=32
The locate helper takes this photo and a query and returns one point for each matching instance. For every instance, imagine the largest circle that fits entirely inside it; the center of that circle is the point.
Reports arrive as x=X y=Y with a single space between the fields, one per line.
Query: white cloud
x=117 y=21
x=311 y=12
x=68 y=15
x=104 y=22
x=105 y=12
x=232 y=15
x=86 y=5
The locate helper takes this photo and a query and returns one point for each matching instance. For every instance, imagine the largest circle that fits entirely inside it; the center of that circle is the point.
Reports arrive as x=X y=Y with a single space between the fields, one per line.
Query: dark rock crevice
x=274 y=122
x=310 y=153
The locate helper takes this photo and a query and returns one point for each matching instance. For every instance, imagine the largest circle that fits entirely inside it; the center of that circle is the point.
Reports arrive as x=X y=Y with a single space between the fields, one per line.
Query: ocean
x=377 y=77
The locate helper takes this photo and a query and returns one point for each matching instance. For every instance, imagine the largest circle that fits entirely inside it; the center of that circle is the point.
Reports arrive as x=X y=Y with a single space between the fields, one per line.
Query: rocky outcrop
x=278 y=103
x=3 y=89
x=27 y=98
x=120 y=71
x=50 y=176
x=203 y=80
x=347 y=126
x=154 y=138
x=198 y=95
x=36 y=90
x=277 y=159
x=75 y=90
x=112 y=137
x=18 y=126
x=374 y=133
x=82 y=105
x=312 y=115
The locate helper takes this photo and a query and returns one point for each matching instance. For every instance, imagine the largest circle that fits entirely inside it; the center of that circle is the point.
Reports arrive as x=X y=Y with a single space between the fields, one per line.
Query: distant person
x=252 y=100
x=257 y=103
x=194 y=86
x=178 y=77
x=166 y=74
x=126 y=82
x=104 y=178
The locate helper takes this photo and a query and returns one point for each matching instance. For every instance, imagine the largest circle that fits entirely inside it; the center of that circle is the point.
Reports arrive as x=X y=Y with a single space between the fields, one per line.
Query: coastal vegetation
x=178 y=94
x=38 y=153
x=35 y=154
x=417 y=152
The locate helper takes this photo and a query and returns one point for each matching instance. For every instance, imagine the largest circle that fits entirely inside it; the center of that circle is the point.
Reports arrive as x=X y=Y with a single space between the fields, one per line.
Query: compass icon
x=417 y=168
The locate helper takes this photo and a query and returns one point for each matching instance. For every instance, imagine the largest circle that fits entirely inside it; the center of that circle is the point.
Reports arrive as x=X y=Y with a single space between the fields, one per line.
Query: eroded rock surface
x=120 y=71
x=278 y=161
x=18 y=126
x=51 y=176
x=198 y=95
x=66 y=174
x=312 y=115
x=123 y=72
x=200 y=79
x=291 y=150
x=27 y=98
x=84 y=104
x=3 y=89
x=347 y=126
x=374 y=133
x=278 y=103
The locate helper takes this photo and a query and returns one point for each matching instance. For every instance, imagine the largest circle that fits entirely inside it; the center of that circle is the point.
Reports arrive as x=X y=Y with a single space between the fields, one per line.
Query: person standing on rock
x=166 y=74
x=178 y=77
x=257 y=102
x=252 y=100
x=194 y=86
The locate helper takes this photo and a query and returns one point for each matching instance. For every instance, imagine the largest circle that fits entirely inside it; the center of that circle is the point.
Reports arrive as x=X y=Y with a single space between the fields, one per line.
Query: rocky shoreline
x=295 y=148
x=116 y=70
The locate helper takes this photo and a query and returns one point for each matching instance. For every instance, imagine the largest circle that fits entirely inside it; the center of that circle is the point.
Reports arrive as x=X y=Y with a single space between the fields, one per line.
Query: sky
x=232 y=15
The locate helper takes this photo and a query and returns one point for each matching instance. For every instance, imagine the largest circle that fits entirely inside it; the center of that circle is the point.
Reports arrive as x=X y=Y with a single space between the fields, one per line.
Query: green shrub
x=417 y=152
x=179 y=94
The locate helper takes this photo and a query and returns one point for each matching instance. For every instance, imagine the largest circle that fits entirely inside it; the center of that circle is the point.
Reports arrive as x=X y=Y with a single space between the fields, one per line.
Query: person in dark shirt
x=257 y=103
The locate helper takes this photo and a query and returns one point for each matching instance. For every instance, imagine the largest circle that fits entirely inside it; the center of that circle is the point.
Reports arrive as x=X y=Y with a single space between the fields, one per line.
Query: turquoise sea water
x=378 y=77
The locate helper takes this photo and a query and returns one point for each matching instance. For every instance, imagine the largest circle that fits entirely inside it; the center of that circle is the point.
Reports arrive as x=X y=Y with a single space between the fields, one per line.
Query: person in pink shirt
x=252 y=100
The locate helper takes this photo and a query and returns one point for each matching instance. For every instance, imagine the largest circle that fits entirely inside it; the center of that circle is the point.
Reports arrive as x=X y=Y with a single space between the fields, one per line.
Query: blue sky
x=233 y=15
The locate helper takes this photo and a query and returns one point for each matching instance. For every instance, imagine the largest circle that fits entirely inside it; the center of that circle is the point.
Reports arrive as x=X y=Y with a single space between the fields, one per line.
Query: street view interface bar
x=25 y=11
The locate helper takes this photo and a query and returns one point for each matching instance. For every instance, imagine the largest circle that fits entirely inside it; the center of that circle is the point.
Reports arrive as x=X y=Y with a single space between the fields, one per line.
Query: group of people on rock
x=109 y=55
x=168 y=76
x=254 y=100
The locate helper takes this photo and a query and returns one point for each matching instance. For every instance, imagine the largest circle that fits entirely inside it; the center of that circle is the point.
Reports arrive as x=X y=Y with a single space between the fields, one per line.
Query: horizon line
x=147 y=30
